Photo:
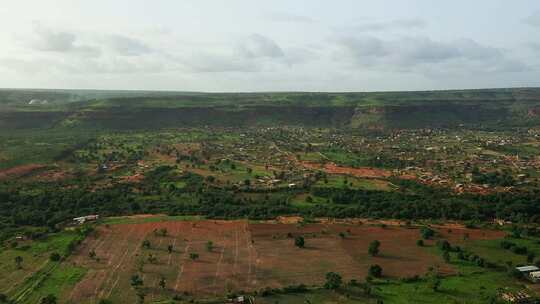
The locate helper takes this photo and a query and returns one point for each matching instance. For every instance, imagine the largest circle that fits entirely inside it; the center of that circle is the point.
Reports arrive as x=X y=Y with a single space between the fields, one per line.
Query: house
x=83 y=219
x=243 y=299
x=534 y=276
x=525 y=270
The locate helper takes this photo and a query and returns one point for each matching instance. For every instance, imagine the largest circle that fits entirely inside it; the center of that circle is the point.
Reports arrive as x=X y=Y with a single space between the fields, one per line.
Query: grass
x=58 y=282
x=336 y=181
x=492 y=250
x=36 y=270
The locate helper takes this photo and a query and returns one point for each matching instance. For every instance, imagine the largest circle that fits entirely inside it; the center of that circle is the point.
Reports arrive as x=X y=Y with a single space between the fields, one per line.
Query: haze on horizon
x=241 y=45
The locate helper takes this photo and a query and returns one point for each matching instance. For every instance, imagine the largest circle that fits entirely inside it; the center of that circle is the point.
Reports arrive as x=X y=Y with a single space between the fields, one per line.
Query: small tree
x=333 y=281
x=18 y=261
x=373 y=249
x=446 y=256
x=420 y=243
x=209 y=246
x=163 y=232
x=299 y=241
x=49 y=299
x=444 y=245
x=152 y=259
x=427 y=233
x=146 y=244
x=170 y=249
x=162 y=283
x=55 y=257
x=3 y=298
x=92 y=254
x=194 y=256
x=435 y=283
x=136 y=281
x=140 y=296
x=375 y=271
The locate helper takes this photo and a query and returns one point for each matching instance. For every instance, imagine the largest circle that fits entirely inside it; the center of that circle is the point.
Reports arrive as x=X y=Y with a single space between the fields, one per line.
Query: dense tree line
x=49 y=204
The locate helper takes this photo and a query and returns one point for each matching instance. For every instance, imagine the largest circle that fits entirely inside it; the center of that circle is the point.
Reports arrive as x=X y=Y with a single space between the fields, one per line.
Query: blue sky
x=238 y=45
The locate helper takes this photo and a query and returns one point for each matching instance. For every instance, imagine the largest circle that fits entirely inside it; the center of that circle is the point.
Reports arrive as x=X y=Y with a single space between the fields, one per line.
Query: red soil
x=19 y=171
x=247 y=256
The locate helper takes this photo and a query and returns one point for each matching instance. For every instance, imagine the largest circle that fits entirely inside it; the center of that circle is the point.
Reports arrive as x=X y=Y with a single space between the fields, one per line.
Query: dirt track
x=357 y=172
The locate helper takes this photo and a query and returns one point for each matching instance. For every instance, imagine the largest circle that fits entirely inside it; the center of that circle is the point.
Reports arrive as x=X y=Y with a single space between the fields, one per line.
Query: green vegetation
x=469 y=156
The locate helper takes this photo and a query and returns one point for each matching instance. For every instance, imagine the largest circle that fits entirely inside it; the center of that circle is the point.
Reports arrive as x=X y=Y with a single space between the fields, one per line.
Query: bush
x=373 y=249
x=427 y=233
x=299 y=241
x=55 y=257
x=333 y=281
x=375 y=271
x=420 y=243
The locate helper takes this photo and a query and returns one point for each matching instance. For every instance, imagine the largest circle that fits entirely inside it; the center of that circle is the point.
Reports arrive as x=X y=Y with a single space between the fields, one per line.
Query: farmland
x=247 y=257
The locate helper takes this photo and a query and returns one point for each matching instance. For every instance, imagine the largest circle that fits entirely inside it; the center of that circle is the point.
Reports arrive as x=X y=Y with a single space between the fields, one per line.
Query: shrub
x=375 y=271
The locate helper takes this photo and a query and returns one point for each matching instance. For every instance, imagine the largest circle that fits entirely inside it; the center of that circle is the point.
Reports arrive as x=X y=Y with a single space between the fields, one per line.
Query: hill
x=500 y=108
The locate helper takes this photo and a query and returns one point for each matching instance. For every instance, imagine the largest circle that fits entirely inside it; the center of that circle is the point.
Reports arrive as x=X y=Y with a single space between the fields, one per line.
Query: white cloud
x=533 y=19
x=422 y=54
x=126 y=46
x=257 y=46
x=398 y=24
x=287 y=17
x=49 y=40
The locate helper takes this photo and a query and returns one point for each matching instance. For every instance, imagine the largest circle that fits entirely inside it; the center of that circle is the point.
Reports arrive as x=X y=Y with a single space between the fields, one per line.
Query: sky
x=278 y=45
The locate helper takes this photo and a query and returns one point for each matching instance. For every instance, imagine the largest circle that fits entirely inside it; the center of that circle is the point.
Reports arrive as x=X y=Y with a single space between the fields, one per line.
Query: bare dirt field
x=245 y=256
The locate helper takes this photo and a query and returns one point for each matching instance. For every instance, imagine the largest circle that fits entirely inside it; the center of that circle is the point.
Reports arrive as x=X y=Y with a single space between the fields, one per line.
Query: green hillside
x=27 y=109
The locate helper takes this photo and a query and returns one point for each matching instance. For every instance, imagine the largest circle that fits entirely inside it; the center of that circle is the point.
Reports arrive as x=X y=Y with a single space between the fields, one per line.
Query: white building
x=83 y=219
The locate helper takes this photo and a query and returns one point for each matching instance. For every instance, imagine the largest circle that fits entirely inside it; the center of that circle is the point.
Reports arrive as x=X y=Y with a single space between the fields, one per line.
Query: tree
x=152 y=259
x=299 y=241
x=92 y=254
x=146 y=244
x=162 y=283
x=375 y=271
x=435 y=283
x=163 y=232
x=209 y=246
x=49 y=299
x=333 y=281
x=446 y=256
x=140 y=296
x=444 y=245
x=420 y=243
x=18 y=261
x=427 y=233
x=105 y=301
x=170 y=249
x=136 y=281
x=55 y=257
x=373 y=249
x=194 y=256
x=3 y=298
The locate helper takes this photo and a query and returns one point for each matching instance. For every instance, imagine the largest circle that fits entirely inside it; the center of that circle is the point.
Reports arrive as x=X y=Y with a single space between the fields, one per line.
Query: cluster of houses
x=530 y=272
